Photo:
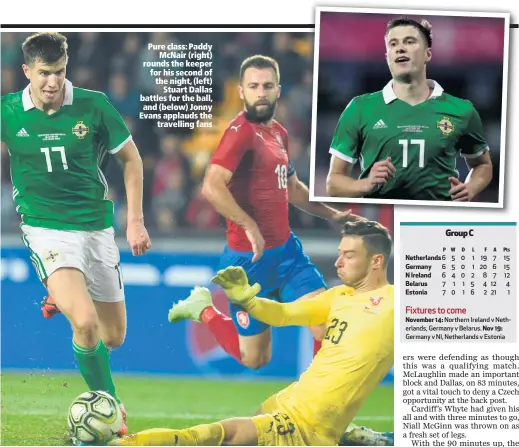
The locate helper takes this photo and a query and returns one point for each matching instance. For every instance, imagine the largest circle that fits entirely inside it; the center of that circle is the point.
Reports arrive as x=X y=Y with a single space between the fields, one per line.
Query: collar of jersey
x=67 y=101
x=389 y=93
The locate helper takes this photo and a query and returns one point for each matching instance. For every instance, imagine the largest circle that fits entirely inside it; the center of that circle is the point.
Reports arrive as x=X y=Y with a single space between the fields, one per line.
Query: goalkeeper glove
x=236 y=286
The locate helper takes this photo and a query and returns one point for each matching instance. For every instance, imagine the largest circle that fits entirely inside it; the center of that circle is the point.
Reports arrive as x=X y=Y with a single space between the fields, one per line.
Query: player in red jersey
x=251 y=181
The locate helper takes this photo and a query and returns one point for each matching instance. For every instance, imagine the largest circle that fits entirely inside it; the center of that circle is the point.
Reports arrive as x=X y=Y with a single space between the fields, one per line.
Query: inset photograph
x=409 y=107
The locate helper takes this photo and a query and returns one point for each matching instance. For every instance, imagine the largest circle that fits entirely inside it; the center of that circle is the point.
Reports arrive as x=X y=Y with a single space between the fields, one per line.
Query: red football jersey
x=257 y=155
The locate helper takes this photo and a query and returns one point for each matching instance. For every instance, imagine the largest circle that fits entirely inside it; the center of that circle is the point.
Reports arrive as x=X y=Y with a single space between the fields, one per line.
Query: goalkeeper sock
x=223 y=330
x=205 y=434
x=94 y=365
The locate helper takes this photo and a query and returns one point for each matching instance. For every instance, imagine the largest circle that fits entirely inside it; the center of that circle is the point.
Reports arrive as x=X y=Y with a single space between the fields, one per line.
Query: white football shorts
x=94 y=253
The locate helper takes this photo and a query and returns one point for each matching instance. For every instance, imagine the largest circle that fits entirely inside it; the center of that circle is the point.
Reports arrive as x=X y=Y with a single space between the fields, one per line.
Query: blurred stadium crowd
x=175 y=160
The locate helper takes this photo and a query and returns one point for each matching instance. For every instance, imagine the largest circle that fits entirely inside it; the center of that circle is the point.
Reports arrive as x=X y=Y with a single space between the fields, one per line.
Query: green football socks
x=94 y=365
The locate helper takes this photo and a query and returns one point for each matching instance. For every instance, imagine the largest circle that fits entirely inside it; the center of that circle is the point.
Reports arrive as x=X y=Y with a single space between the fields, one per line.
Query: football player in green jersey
x=407 y=137
x=58 y=137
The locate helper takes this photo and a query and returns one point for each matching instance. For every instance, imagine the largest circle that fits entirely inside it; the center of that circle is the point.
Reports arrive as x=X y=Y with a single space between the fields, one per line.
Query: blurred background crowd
x=467 y=61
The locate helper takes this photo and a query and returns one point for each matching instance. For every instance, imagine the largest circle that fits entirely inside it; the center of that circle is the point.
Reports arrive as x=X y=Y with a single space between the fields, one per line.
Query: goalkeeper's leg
x=235 y=431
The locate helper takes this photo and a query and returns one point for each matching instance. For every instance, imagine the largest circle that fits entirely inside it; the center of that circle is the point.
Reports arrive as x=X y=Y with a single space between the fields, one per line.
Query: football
x=94 y=418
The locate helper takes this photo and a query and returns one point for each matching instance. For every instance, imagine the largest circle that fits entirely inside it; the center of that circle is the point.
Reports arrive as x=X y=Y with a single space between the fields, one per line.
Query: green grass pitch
x=34 y=405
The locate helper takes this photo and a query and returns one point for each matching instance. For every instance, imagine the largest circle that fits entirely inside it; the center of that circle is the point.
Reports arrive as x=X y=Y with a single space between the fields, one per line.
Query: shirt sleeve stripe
x=343 y=157
x=118 y=148
x=477 y=154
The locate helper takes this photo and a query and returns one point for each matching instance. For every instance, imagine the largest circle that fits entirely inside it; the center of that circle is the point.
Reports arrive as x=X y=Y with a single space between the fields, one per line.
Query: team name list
x=182 y=79
x=457 y=282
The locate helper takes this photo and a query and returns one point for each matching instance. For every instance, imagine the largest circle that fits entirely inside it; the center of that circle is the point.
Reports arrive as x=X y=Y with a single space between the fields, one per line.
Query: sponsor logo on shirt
x=380 y=124
x=22 y=133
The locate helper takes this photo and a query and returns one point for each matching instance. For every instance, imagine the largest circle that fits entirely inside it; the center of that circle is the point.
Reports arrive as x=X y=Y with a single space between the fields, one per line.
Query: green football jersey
x=423 y=141
x=57 y=160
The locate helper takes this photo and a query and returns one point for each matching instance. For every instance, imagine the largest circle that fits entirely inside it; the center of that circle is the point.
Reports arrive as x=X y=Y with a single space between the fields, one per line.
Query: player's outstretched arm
x=136 y=232
x=299 y=196
x=215 y=190
x=339 y=182
x=310 y=312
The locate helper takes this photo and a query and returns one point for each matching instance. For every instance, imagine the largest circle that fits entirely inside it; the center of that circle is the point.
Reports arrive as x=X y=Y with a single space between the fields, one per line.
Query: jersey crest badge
x=80 y=130
x=243 y=319
x=445 y=125
x=376 y=301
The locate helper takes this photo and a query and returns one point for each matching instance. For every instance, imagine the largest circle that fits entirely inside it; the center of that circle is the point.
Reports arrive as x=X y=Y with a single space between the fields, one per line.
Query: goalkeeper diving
x=356 y=354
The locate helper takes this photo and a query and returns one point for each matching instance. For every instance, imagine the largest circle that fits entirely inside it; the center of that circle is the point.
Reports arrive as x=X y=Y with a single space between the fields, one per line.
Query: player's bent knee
x=257 y=363
x=85 y=324
x=112 y=322
x=255 y=360
x=114 y=340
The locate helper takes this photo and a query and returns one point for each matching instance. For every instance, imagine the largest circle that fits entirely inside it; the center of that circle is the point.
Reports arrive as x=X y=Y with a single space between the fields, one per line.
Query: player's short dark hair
x=424 y=27
x=375 y=236
x=46 y=46
x=259 y=61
